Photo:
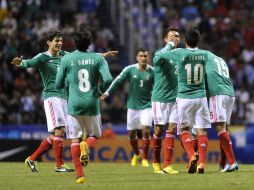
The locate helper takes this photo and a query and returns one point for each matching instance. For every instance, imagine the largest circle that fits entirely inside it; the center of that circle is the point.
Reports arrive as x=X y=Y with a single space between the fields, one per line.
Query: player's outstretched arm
x=17 y=61
x=109 y=53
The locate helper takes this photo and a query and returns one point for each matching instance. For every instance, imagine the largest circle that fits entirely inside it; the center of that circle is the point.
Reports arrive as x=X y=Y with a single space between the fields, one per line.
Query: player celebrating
x=192 y=106
x=139 y=114
x=55 y=103
x=221 y=104
x=82 y=70
x=164 y=102
x=54 y=100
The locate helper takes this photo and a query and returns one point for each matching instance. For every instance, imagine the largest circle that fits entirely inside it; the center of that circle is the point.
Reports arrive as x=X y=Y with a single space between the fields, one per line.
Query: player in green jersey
x=139 y=114
x=83 y=70
x=55 y=103
x=164 y=102
x=221 y=102
x=192 y=106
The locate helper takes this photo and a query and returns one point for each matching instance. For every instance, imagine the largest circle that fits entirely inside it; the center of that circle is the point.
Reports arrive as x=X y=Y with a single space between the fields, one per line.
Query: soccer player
x=221 y=102
x=55 y=103
x=83 y=70
x=139 y=114
x=164 y=102
x=192 y=106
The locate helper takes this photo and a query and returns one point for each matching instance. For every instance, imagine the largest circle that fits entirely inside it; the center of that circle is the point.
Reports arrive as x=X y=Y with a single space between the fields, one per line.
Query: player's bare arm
x=109 y=53
x=17 y=61
x=104 y=96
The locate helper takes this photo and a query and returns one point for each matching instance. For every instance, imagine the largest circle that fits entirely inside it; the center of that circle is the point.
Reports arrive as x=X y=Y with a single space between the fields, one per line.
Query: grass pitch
x=17 y=176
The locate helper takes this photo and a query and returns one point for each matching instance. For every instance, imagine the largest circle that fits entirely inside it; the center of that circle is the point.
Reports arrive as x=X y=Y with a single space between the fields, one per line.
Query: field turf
x=17 y=176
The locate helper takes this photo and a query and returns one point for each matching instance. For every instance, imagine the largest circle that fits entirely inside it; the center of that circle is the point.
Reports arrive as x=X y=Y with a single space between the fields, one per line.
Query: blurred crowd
x=225 y=25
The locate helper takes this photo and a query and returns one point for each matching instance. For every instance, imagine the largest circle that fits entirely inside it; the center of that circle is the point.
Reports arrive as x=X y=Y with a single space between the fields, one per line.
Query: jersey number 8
x=84 y=84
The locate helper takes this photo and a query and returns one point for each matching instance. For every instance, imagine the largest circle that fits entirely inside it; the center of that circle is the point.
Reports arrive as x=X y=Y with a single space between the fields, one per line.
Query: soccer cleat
x=134 y=160
x=230 y=168
x=201 y=168
x=192 y=167
x=84 y=153
x=81 y=180
x=145 y=163
x=169 y=170
x=31 y=164
x=157 y=168
x=64 y=168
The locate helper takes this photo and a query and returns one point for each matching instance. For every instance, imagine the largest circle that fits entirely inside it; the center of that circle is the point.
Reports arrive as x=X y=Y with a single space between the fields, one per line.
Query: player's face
x=143 y=58
x=56 y=44
x=173 y=36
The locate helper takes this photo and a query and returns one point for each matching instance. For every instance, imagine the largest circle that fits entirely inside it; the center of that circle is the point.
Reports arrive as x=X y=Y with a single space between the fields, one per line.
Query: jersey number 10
x=195 y=77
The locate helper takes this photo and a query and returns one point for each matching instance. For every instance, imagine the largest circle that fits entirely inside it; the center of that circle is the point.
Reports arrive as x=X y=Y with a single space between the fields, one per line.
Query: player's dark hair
x=165 y=34
x=83 y=39
x=52 y=34
x=192 y=37
x=141 y=49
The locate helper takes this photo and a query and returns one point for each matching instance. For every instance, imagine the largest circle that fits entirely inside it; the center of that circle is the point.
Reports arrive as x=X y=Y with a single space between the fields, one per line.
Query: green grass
x=16 y=176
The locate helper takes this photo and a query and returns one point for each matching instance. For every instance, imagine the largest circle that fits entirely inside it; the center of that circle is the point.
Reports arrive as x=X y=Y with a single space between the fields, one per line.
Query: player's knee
x=59 y=131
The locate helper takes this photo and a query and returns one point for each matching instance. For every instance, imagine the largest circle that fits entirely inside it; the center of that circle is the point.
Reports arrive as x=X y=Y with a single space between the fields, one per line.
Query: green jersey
x=165 y=76
x=83 y=70
x=141 y=84
x=47 y=66
x=191 y=72
x=217 y=75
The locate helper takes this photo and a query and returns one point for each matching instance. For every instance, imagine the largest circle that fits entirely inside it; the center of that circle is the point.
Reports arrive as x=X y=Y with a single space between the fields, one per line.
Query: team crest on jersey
x=50 y=61
x=134 y=76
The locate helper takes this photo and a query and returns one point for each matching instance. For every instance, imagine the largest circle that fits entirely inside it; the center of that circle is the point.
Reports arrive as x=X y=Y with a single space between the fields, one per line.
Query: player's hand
x=110 y=53
x=17 y=61
x=104 y=96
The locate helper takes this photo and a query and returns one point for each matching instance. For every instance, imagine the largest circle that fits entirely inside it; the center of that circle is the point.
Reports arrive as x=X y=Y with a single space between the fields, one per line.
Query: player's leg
x=133 y=124
x=226 y=146
x=146 y=123
x=170 y=140
x=134 y=145
x=185 y=114
x=202 y=122
x=221 y=118
x=45 y=145
x=92 y=130
x=160 y=118
x=169 y=149
x=74 y=132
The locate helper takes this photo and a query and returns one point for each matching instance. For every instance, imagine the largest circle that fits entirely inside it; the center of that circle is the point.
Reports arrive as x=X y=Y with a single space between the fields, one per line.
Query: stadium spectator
x=225 y=21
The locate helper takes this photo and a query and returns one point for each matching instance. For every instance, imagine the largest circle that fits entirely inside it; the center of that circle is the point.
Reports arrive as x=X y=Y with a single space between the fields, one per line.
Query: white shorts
x=56 y=112
x=90 y=124
x=138 y=118
x=164 y=113
x=73 y=129
x=221 y=107
x=193 y=112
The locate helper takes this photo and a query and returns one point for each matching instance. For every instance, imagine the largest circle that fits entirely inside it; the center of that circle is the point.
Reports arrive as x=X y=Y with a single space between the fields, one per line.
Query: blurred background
x=226 y=29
